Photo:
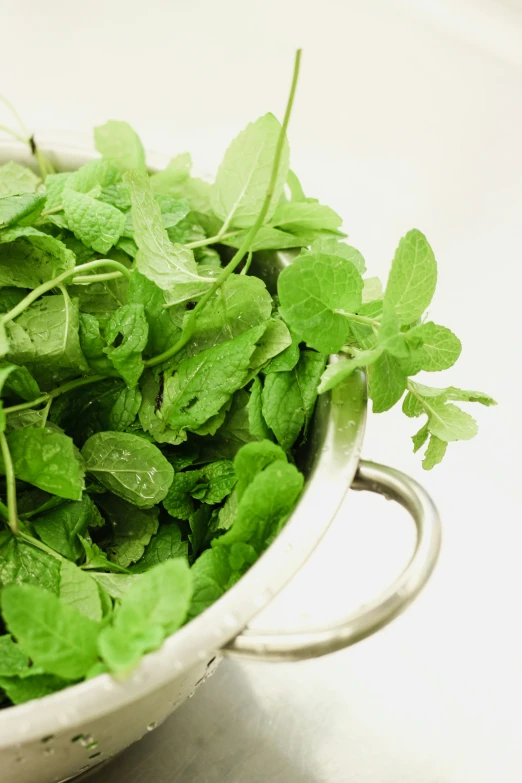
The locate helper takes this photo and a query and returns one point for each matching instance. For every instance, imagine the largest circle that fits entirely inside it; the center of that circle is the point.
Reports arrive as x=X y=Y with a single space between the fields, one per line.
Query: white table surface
x=407 y=114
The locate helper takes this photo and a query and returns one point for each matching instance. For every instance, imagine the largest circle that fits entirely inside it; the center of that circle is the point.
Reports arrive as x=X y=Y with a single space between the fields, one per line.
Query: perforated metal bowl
x=60 y=736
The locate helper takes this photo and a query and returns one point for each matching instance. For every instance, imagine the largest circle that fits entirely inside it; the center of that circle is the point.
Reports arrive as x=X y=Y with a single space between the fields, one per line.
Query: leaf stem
x=360 y=319
x=247 y=242
x=420 y=399
x=17 y=117
x=10 y=485
x=213 y=240
x=85 y=279
x=40 y=545
x=66 y=387
x=13 y=133
x=42 y=289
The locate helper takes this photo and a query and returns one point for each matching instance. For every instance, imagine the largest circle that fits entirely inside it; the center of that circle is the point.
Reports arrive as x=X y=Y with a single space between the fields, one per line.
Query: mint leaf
x=333 y=247
x=13 y=661
x=79 y=589
x=97 y=224
x=413 y=277
x=154 y=606
x=434 y=453
x=96 y=173
x=125 y=409
x=128 y=324
x=170 y=266
x=45 y=338
x=61 y=527
x=22 y=209
x=256 y=421
x=176 y=172
x=54 y=635
x=115 y=585
x=289 y=398
x=264 y=506
x=15 y=179
x=286 y=360
x=95 y=558
x=212 y=575
x=31 y=686
x=420 y=438
x=336 y=372
x=215 y=482
x=252 y=459
x=203 y=383
x=17 y=380
x=387 y=383
x=243 y=176
x=432 y=348
x=129 y=466
x=118 y=141
x=46 y=459
x=29 y=257
x=267 y=238
x=449 y=423
x=165 y=545
x=164 y=325
x=132 y=528
x=178 y=501
x=299 y=216
x=314 y=291
x=274 y=341
x=22 y=563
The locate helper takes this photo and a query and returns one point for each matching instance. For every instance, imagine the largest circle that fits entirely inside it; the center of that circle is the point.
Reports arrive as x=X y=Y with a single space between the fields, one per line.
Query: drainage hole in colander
x=152 y=725
x=45 y=740
x=86 y=741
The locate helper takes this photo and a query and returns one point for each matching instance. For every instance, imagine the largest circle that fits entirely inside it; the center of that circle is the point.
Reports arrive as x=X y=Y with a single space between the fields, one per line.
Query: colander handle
x=297 y=646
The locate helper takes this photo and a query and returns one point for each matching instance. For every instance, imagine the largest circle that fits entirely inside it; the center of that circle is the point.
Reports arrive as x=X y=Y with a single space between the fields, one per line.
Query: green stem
x=66 y=387
x=17 y=117
x=247 y=242
x=426 y=406
x=42 y=289
x=81 y=279
x=13 y=133
x=245 y=269
x=360 y=319
x=11 y=485
x=213 y=240
x=51 y=211
x=40 y=545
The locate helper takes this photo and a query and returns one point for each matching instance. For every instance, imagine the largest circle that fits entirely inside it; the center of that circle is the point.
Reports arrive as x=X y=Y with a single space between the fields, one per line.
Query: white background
x=407 y=114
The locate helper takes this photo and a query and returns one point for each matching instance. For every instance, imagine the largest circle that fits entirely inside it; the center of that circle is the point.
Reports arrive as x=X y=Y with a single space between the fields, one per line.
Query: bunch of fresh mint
x=153 y=391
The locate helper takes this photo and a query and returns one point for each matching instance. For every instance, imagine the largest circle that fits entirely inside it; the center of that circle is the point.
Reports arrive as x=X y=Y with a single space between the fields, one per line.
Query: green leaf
x=372 y=290
x=96 y=173
x=22 y=209
x=252 y=459
x=420 y=438
x=413 y=277
x=154 y=607
x=274 y=341
x=212 y=575
x=215 y=482
x=118 y=141
x=242 y=179
x=164 y=325
x=299 y=216
x=412 y=407
x=264 y=506
x=61 y=527
x=150 y=417
x=54 y=187
x=165 y=545
x=17 y=380
x=13 y=661
x=129 y=466
x=286 y=360
x=115 y=585
x=390 y=337
x=257 y=424
x=241 y=303
x=434 y=453
x=203 y=384
x=97 y=224
x=387 y=383
x=125 y=409
x=314 y=291
x=54 y=635
x=178 y=501
x=95 y=558
x=333 y=247
x=33 y=686
x=289 y=398
x=432 y=348
x=15 y=179
x=450 y=423
x=22 y=563
x=336 y=372
x=267 y=238
x=79 y=589
x=28 y=258
x=45 y=338
x=48 y=460
x=176 y=172
x=129 y=325
x=132 y=528
x=170 y=266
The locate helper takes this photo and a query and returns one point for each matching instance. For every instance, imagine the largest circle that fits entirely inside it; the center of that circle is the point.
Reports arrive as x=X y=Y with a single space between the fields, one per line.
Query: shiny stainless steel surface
x=58 y=737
